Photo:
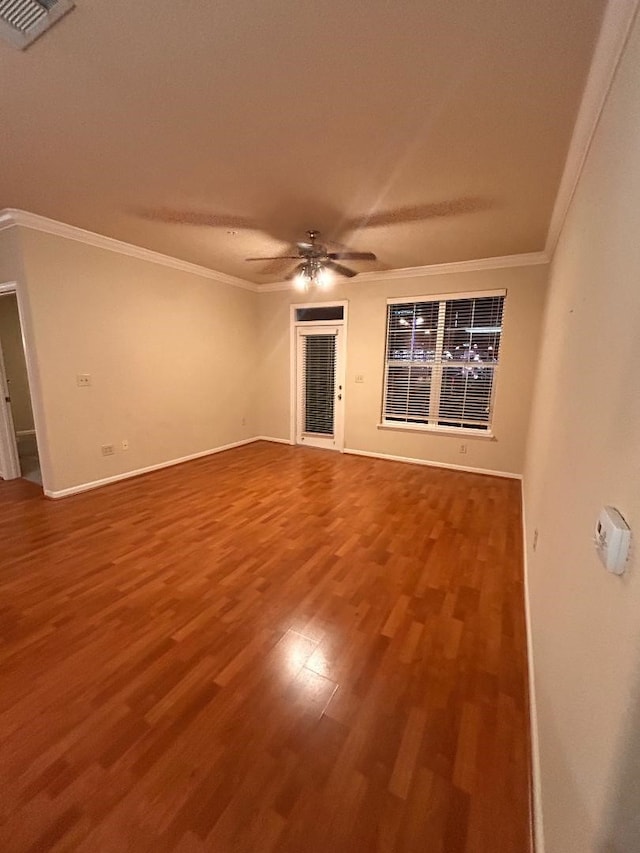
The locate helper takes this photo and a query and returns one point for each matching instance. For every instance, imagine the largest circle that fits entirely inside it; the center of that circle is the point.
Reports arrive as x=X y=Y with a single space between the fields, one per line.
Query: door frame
x=9 y=459
x=294 y=325
x=33 y=376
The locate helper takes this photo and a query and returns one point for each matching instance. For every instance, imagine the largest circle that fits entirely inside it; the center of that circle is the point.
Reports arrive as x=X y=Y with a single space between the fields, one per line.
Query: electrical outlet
x=463 y=448
x=124 y=444
x=244 y=422
x=107 y=449
x=535 y=539
x=359 y=377
x=83 y=380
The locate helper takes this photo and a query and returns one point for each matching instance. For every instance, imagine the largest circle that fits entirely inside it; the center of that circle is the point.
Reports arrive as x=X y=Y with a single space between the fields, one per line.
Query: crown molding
x=614 y=33
x=10 y=218
x=5 y=220
x=524 y=260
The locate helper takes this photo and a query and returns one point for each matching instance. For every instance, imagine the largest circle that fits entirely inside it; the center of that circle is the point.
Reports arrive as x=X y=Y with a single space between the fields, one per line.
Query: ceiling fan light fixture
x=323 y=277
x=312 y=274
x=302 y=280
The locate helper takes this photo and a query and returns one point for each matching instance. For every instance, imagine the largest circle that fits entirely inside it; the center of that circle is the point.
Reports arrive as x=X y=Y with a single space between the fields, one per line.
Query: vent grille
x=23 y=21
x=21 y=14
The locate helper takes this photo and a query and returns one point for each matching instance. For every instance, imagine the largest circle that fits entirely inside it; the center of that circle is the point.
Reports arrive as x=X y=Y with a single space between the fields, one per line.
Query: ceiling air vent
x=22 y=21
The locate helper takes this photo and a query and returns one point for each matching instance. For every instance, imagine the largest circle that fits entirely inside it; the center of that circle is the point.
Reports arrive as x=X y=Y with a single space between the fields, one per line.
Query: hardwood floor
x=272 y=649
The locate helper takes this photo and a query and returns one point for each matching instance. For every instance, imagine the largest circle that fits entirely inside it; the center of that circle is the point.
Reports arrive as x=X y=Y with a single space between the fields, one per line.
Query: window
x=442 y=361
x=322 y=312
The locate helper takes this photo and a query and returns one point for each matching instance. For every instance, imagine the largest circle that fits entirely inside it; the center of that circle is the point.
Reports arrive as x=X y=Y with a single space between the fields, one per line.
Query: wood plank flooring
x=271 y=649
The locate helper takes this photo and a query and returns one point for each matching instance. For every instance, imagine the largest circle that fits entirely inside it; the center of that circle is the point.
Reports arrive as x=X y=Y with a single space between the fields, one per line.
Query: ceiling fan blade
x=276 y=258
x=421 y=212
x=194 y=217
x=332 y=265
x=352 y=256
x=278 y=264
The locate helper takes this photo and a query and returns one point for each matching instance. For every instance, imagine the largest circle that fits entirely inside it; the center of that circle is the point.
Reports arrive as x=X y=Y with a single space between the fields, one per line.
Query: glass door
x=320 y=387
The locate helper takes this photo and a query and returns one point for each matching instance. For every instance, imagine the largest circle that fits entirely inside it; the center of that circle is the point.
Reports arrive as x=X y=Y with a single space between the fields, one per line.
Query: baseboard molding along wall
x=409 y=460
x=96 y=484
x=432 y=464
x=536 y=784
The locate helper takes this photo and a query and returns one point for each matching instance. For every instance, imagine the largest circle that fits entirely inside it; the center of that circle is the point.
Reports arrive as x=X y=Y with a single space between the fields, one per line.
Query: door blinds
x=441 y=361
x=318 y=384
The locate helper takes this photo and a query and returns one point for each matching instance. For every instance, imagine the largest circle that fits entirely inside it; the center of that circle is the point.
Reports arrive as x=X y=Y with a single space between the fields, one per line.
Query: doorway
x=318 y=393
x=18 y=446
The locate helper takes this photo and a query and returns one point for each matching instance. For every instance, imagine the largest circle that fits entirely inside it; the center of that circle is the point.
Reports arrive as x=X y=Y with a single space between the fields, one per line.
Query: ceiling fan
x=316 y=263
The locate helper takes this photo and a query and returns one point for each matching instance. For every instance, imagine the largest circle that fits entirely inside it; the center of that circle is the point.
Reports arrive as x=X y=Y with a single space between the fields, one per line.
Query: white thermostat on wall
x=612 y=539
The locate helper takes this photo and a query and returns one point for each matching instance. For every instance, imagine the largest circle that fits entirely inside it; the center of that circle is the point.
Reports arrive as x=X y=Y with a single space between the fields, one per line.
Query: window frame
x=431 y=425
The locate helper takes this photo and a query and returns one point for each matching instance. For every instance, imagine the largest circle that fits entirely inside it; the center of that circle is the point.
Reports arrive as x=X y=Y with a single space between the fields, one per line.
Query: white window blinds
x=318 y=378
x=441 y=361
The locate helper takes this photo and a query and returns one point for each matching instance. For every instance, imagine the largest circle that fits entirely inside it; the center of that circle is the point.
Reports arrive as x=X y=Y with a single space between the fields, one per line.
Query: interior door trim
x=293 y=326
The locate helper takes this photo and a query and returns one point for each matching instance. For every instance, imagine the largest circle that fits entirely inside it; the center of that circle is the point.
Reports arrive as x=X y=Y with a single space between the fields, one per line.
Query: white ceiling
x=424 y=131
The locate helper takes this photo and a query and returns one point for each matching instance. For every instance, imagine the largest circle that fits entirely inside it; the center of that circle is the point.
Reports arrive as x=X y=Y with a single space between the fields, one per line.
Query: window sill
x=451 y=432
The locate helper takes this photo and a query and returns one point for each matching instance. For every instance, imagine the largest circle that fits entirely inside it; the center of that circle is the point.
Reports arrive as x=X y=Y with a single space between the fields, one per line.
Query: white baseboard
x=537 y=827
x=96 y=484
x=432 y=464
x=276 y=440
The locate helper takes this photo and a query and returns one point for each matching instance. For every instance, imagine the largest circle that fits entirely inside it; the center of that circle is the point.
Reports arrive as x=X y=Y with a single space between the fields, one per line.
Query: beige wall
x=177 y=376
x=365 y=355
x=171 y=356
x=585 y=452
x=178 y=361
x=14 y=362
x=10 y=261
